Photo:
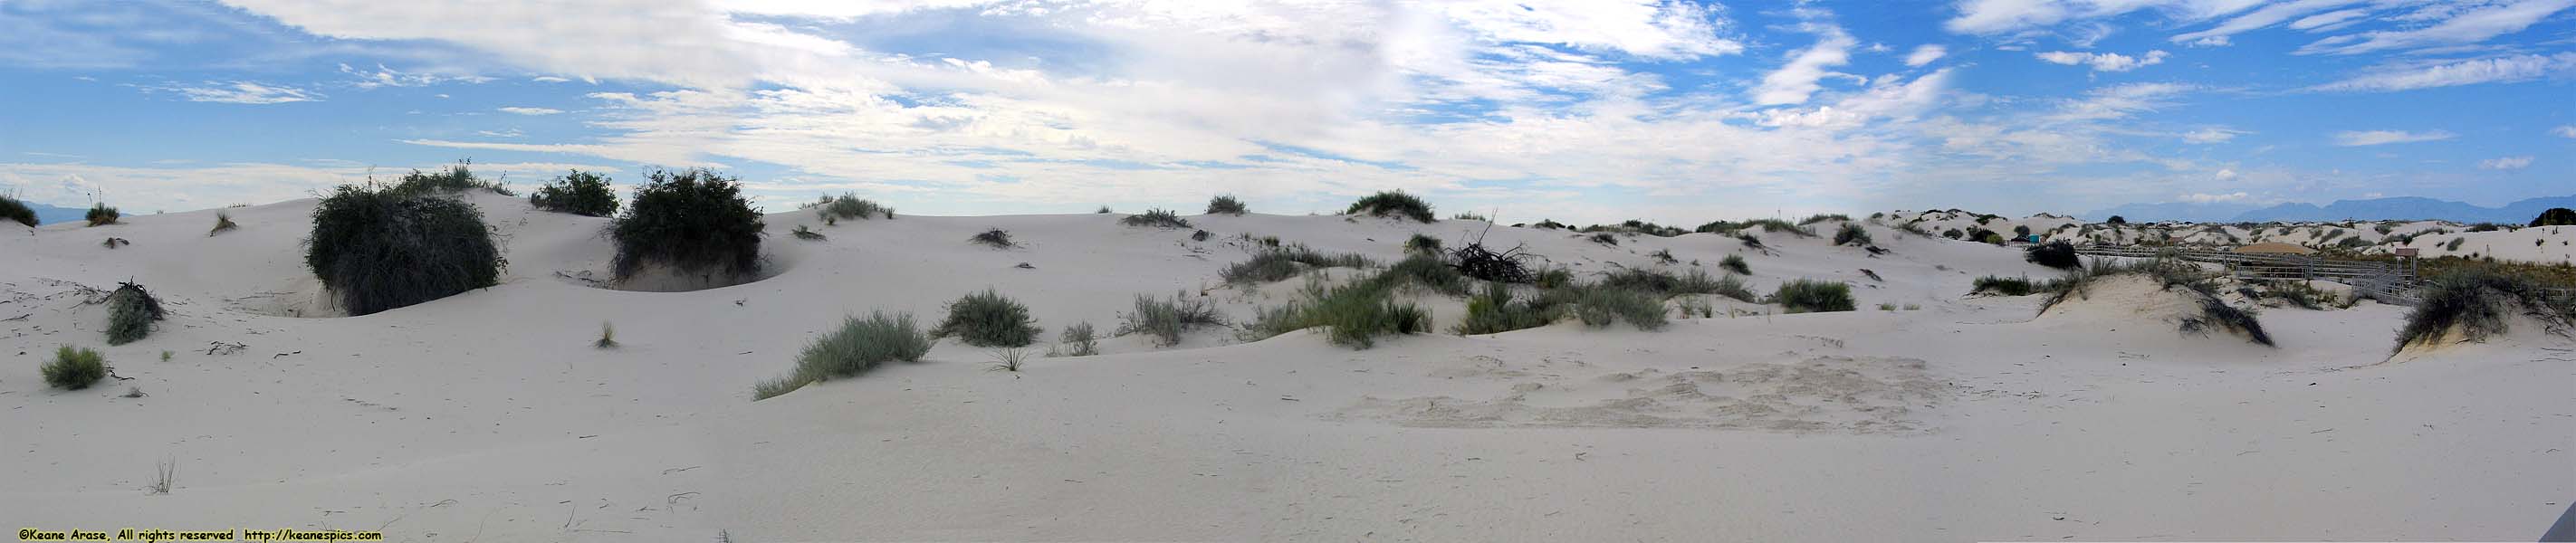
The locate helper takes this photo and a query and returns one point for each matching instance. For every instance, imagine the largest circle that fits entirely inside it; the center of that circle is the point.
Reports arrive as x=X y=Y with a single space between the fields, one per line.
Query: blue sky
x=1577 y=110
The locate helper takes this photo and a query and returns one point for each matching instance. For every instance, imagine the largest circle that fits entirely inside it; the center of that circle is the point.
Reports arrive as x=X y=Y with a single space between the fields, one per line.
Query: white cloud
x=1925 y=54
x=2211 y=135
x=1795 y=81
x=2505 y=163
x=2104 y=62
x=2261 y=17
x=2120 y=101
x=530 y=110
x=2000 y=16
x=2384 y=137
x=2568 y=131
x=2327 y=20
x=2468 y=72
x=188 y=188
x=240 y=92
x=548 y=79
x=387 y=77
x=2467 y=27
x=2215 y=198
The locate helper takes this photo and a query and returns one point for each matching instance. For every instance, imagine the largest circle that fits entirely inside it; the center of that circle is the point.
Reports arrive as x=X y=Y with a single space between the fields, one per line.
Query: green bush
x=1422 y=244
x=1427 y=271
x=1166 y=320
x=1158 y=218
x=2054 y=254
x=1354 y=314
x=1665 y=284
x=1554 y=278
x=808 y=234
x=1822 y=217
x=1852 y=234
x=1278 y=263
x=1750 y=241
x=1735 y=263
x=1495 y=311
x=14 y=210
x=223 y=223
x=2476 y=301
x=74 y=369
x=856 y=347
x=1600 y=306
x=1226 y=204
x=130 y=312
x=1803 y=296
x=849 y=206
x=579 y=193
x=988 y=319
x=1077 y=340
x=101 y=215
x=379 y=249
x=1393 y=203
x=2007 y=286
x=694 y=221
x=1777 y=225
x=995 y=238
x=456 y=178
x=1605 y=238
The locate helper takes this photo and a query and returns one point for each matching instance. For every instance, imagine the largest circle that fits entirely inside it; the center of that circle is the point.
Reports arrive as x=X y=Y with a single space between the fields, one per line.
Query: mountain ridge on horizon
x=2369 y=209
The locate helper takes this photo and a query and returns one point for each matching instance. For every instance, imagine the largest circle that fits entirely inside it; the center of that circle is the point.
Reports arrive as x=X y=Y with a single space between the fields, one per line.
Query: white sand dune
x=487 y=416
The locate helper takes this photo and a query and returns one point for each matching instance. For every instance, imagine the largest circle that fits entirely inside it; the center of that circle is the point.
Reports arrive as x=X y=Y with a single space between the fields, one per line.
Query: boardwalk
x=2383 y=281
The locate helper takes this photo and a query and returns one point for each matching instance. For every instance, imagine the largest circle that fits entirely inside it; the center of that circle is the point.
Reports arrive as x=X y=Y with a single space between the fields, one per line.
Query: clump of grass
x=131 y=311
x=2170 y=275
x=14 y=210
x=165 y=472
x=2054 y=254
x=1076 y=340
x=1599 y=306
x=2007 y=286
x=1667 y=284
x=1007 y=359
x=1750 y=241
x=1354 y=314
x=849 y=206
x=1495 y=311
x=114 y=242
x=695 y=222
x=1735 y=263
x=1777 y=225
x=1422 y=244
x=379 y=249
x=74 y=369
x=1158 y=218
x=1200 y=235
x=579 y=193
x=993 y=237
x=1553 y=278
x=807 y=234
x=2454 y=245
x=1166 y=320
x=988 y=319
x=857 y=346
x=1605 y=238
x=458 y=177
x=223 y=223
x=101 y=215
x=607 y=337
x=1852 y=234
x=1663 y=256
x=1425 y=270
x=1805 y=296
x=1103 y=210
x=1822 y=217
x=1469 y=217
x=1393 y=203
x=1279 y=263
x=1226 y=204
x=2475 y=301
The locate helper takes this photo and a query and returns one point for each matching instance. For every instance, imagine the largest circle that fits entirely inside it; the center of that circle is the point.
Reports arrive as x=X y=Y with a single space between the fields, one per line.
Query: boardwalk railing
x=2383 y=281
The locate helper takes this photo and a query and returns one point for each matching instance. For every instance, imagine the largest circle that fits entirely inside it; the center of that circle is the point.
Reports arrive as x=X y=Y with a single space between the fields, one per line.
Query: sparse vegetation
x=1735 y=263
x=2054 y=254
x=1495 y=311
x=1425 y=270
x=1393 y=203
x=1663 y=256
x=578 y=192
x=1278 y=263
x=1226 y=204
x=1157 y=218
x=1822 y=217
x=2473 y=303
x=74 y=369
x=223 y=223
x=1509 y=266
x=993 y=237
x=1076 y=340
x=857 y=346
x=849 y=206
x=695 y=222
x=1007 y=359
x=1166 y=320
x=607 y=337
x=1852 y=234
x=1422 y=244
x=1353 y=314
x=2169 y=275
x=101 y=215
x=13 y=209
x=988 y=319
x=807 y=234
x=1605 y=238
x=1804 y=296
x=2008 y=286
x=458 y=177
x=130 y=313
x=1663 y=284
x=1601 y=305
x=1469 y=217
x=379 y=249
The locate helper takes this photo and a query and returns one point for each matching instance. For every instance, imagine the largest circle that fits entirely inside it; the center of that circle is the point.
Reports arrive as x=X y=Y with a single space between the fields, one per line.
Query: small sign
x=2406 y=251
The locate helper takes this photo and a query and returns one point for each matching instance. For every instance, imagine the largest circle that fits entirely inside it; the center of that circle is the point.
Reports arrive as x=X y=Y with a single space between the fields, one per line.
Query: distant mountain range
x=46 y=214
x=2404 y=208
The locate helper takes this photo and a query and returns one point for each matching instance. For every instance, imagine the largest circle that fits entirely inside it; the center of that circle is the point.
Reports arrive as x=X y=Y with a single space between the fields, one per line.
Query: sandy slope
x=487 y=417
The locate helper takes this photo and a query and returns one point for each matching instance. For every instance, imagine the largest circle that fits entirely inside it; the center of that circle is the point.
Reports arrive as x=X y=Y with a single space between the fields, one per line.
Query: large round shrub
x=382 y=249
x=74 y=369
x=579 y=193
x=2054 y=254
x=101 y=214
x=130 y=312
x=694 y=221
x=1393 y=203
x=988 y=319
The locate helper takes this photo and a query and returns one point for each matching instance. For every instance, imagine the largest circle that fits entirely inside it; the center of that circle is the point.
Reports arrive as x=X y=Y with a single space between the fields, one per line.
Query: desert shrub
x=2298 y=293
x=14 y=210
x=2216 y=313
x=2484 y=227
x=1664 y=284
x=1354 y=314
x=1553 y=278
x=1718 y=227
x=1982 y=235
x=223 y=223
x=988 y=319
x=2006 y=286
x=1663 y=256
x=1952 y=233
x=100 y=215
x=1103 y=210
x=1226 y=204
x=849 y=206
x=1750 y=241
x=2116 y=219
x=114 y=242
x=458 y=177
x=1599 y=306
x=1167 y=319
x=857 y=346
x=2054 y=254
x=1803 y=296
x=1422 y=244
x=1278 y=263
x=808 y=234
x=1494 y=311
x=1469 y=217
x=694 y=221
x=2476 y=301
x=1200 y=235
x=607 y=336
x=1076 y=340
x=379 y=249
x=130 y=312
x=2171 y=275
x=1158 y=218
x=2556 y=216
x=1852 y=234
x=1822 y=217
x=1425 y=270
x=579 y=193
x=74 y=369
x=2354 y=242
x=1395 y=203
x=1735 y=263
x=1509 y=266
x=993 y=237
x=2454 y=245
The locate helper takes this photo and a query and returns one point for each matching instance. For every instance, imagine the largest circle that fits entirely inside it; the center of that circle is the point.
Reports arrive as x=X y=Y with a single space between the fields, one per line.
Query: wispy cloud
x=1795 y=81
x=2564 y=131
x=2104 y=62
x=239 y=92
x=2505 y=163
x=2472 y=26
x=2215 y=198
x=2211 y=135
x=1925 y=54
x=515 y=110
x=2505 y=69
x=2384 y=137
